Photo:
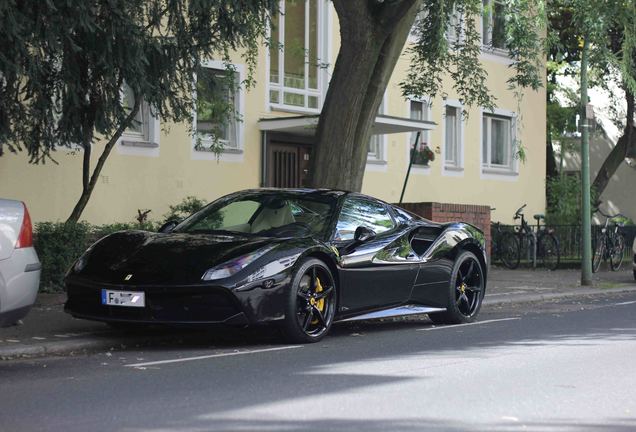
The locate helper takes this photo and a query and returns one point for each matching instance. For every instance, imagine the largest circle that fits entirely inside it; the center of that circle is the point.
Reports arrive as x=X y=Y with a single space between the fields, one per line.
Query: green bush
x=564 y=200
x=184 y=209
x=58 y=245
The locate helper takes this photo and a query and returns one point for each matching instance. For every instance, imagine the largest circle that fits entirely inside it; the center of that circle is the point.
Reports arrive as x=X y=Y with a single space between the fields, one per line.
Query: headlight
x=83 y=259
x=236 y=265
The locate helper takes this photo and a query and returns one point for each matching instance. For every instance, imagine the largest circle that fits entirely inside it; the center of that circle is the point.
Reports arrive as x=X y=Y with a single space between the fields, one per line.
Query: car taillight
x=25 y=239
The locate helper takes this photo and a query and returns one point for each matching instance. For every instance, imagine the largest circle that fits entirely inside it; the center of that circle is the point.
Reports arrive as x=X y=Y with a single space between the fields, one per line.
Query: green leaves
x=518 y=24
x=63 y=62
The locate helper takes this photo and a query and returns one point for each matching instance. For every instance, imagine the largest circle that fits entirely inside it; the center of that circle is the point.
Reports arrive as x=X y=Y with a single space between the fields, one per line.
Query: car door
x=379 y=272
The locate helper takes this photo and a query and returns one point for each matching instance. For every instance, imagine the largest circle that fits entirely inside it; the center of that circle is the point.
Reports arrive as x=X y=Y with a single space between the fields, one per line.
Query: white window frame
x=230 y=153
x=456 y=167
x=425 y=135
x=497 y=171
x=379 y=156
x=324 y=41
x=486 y=43
x=450 y=31
x=146 y=142
x=412 y=38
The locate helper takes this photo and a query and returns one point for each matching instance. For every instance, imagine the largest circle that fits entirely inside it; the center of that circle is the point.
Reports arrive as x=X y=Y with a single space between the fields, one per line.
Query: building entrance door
x=287 y=164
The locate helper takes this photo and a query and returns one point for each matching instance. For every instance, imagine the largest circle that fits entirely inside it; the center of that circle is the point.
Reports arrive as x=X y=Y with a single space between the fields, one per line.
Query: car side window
x=357 y=212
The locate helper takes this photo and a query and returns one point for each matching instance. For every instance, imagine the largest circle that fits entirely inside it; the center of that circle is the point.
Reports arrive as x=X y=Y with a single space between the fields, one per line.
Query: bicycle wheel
x=509 y=252
x=548 y=251
x=616 y=253
x=599 y=252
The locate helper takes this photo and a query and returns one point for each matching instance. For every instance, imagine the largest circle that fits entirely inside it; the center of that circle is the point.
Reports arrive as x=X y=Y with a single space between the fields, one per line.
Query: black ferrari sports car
x=300 y=258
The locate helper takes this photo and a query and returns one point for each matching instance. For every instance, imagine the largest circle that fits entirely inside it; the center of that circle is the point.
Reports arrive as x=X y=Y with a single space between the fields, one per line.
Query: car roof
x=298 y=191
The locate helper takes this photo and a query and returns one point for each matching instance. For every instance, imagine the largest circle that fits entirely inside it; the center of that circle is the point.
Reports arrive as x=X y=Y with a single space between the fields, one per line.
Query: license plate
x=123 y=298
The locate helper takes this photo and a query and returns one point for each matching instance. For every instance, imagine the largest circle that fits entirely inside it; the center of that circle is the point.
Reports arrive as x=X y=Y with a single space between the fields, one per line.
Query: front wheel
x=509 y=250
x=548 y=251
x=311 y=304
x=616 y=254
x=598 y=254
x=465 y=291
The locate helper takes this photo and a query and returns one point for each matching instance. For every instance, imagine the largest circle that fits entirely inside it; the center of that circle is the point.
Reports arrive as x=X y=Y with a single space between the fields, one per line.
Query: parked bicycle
x=541 y=245
x=610 y=245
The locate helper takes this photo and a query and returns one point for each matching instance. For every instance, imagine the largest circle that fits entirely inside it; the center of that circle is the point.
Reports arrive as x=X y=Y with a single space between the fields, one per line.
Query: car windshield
x=263 y=215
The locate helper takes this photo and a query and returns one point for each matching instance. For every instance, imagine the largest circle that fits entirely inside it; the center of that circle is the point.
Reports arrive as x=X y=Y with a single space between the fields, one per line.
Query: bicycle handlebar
x=519 y=211
x=609 y=217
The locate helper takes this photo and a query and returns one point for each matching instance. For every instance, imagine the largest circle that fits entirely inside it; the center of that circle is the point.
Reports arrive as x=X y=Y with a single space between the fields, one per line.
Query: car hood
x=139 y=257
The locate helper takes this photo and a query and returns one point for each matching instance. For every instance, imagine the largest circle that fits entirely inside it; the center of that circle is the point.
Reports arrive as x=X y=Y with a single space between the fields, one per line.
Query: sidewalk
x=47 y=330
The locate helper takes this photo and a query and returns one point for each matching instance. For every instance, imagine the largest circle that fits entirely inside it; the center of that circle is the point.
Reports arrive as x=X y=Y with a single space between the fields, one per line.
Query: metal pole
x=408 y=171
x=586 y=227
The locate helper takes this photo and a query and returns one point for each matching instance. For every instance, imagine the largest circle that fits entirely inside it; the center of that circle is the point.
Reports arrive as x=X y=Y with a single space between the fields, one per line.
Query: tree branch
x=624 y=146
x=88 y=190
x=394 y=11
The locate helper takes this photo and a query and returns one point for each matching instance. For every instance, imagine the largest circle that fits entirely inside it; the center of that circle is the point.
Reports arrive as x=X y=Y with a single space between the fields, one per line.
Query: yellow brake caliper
x=320 y=304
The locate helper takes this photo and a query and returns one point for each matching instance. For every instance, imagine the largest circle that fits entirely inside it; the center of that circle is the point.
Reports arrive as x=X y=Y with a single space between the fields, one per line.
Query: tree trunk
x=373 y=35
x=89 y=185
x=625 y=146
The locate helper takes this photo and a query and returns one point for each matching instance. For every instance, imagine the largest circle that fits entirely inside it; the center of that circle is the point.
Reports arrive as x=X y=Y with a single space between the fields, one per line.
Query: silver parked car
x=19 y=263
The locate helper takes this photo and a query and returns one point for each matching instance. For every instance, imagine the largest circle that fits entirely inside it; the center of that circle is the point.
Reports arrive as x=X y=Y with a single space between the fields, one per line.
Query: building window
x=376 y=148
x=494 y=24
x=141 y=131
x=295 y=55
x=498 y=143
x=455 y=29
x=420 y=110
x=452 y=137
x=375 y=151
x=217 y=108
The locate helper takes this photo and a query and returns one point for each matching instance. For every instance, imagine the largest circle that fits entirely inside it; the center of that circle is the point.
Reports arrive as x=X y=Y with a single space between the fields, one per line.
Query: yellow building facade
x=159 y=164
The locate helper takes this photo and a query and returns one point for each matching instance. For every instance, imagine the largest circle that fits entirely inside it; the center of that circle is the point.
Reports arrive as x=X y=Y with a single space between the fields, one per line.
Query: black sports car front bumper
x=190 y=304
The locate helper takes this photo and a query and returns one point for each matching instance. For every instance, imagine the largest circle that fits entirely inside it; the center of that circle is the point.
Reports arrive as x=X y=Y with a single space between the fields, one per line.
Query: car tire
x=465 y=291
x=311 y=303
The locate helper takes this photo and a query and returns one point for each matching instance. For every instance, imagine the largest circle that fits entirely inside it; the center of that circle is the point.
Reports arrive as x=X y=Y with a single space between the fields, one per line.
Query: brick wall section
x=477 y=215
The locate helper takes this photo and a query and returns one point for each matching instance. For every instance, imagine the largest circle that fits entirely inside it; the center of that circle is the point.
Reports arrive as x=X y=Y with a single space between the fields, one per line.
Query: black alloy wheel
x=311 y=304
x=548 y=251
x=509 y=250
x=466 y=291
x=616 y=253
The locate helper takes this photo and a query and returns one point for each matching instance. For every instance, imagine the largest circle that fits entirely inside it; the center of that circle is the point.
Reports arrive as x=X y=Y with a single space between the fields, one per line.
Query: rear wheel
x=509 y=251
x=311 y=305
x=549 y=251
x=598 y=254
x=465 y=293
x=616 y=254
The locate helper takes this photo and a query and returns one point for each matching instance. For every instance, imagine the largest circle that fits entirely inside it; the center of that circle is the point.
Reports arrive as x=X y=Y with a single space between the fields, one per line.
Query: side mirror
x=168 y=226
x=363 y=234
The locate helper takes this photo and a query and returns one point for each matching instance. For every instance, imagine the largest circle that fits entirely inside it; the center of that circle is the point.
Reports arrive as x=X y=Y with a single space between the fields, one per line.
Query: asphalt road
x=554 y=366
